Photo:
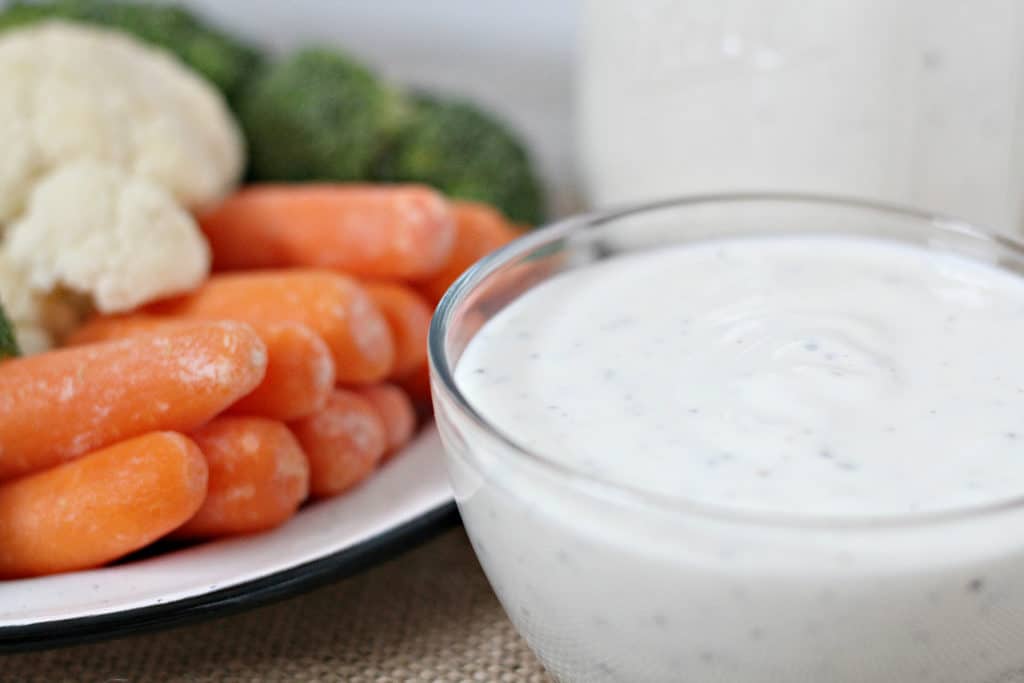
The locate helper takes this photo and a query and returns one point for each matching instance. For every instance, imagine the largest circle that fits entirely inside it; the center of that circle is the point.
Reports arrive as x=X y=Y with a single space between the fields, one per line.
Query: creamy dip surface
x=810 y=375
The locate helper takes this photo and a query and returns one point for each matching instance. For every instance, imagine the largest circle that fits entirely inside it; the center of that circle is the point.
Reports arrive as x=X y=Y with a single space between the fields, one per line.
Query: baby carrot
x=300 y=368
x=396 y=412
x=104 y=505
x=333 y=305
x=59 y=405
x=408 y=315
x=381 y=231
x=258 y=477
x=479 y=230
x=104 y=328
x=300 y=374
x=343 y=442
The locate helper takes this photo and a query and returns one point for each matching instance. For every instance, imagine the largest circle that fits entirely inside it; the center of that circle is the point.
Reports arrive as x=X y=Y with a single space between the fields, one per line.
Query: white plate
x=406 y=501
x=515 y=58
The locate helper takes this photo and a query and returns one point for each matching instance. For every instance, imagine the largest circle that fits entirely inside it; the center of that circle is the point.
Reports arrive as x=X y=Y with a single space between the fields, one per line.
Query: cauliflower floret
x=74 y=91
x=39 y=318
x=94 y=229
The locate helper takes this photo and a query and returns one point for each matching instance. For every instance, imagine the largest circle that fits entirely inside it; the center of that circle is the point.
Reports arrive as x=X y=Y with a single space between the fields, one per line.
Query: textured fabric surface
x=428 y=615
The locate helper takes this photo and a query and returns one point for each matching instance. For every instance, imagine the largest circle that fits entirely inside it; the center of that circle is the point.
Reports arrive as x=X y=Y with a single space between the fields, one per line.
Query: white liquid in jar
x=915 y=102
x=807 y=377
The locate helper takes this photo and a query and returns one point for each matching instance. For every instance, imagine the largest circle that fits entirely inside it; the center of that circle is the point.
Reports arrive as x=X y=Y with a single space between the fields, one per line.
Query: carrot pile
x=292 y=373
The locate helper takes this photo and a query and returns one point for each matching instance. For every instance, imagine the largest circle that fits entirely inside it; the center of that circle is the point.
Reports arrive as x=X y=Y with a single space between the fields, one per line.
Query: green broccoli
x=317 y=115
x=466 y=153
x=222 y=59
x=8 y=342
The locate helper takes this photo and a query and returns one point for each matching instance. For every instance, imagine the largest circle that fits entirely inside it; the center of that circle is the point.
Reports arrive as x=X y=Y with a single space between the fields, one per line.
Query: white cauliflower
x=93 y=229
x=39 y=318
x=70 y=91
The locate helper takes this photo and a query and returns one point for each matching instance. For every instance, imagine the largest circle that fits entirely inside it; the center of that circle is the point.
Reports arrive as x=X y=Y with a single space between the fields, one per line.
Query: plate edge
x=234 y=599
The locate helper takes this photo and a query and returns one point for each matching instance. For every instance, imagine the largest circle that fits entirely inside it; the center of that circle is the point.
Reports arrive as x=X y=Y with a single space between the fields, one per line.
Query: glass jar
x=915 y=101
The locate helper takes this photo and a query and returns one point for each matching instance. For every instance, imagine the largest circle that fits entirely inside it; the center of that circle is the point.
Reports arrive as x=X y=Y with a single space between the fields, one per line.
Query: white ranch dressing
x=784 y=381
x=812 y=375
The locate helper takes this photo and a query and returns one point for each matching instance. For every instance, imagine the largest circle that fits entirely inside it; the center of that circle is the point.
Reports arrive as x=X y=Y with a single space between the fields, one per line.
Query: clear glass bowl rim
x=444 y=387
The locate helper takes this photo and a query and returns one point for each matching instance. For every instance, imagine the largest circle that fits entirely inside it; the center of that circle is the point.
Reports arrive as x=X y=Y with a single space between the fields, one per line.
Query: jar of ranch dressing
x=919 y=102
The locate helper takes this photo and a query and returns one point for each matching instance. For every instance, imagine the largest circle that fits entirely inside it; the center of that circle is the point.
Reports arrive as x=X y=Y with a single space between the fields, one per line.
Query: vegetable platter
x=217 y=269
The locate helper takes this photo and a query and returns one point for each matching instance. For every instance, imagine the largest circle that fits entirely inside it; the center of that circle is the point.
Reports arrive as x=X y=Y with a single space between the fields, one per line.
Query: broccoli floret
x=8 y=343
x=317 y=115
x=222 y=59
x=466 y=153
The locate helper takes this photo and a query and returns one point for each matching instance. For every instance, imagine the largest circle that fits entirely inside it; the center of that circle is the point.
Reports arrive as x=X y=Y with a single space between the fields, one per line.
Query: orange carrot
x=344 y=442
x=408 y=315
x=300 y=368
x=383 y=231
x=104 y=328
x=333 y=305
x=300 y=374
x=396 y=412
x=258 y=477
x=104 y=505
x=59 y=405
x=479 y=230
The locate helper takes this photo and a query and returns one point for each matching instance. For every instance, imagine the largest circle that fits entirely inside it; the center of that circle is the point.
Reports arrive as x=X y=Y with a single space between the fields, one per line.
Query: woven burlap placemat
x=428 y=615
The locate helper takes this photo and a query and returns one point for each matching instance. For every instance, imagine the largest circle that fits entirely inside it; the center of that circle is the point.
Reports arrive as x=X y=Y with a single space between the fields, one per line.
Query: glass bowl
x=609 y=583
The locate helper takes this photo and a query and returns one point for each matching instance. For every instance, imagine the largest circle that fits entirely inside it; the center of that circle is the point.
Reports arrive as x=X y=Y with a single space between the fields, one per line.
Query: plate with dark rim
x=406 y=502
